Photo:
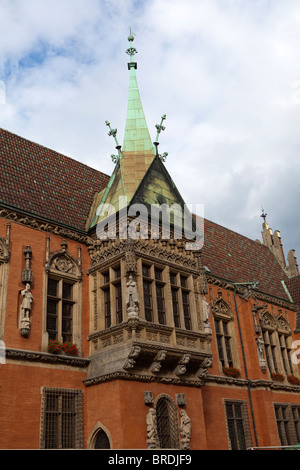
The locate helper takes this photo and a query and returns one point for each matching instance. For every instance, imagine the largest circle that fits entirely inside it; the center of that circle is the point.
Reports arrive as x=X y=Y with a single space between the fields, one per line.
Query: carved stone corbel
x=156 y=364
x=131 y=359
x=203 y=371
x=181 y=367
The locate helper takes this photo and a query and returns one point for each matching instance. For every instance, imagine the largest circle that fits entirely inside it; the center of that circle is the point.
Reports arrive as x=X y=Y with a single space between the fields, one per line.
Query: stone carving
x=185 y=430
x=132 y=300
x=62 y=261
x=181 y=367
x=27 y=273
x=131 y=360
x=206 y=363
x=148 y=398
x=180 y=399
x=24 y=324
x=156 y=364
x=152 y=441
x=206 y=315
x=260 y=352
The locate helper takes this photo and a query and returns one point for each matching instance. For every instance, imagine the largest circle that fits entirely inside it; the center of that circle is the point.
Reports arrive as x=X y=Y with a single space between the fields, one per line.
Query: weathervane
x=263 y=215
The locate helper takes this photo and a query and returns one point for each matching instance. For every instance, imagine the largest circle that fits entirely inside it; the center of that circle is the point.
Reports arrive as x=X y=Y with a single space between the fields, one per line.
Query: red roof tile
x=45 y=183
x=236 y=258
x=294 y=288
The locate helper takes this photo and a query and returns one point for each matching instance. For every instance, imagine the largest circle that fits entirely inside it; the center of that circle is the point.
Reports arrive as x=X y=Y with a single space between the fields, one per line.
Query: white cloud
x=226 y=73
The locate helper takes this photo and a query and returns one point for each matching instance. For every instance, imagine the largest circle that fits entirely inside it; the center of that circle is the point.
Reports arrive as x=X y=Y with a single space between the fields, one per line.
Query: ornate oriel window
x=154 y=293
x=62 y=297
x=277 y=337
x=180 y=300
x=111 y=296
x=61 y=419
x=237 y=425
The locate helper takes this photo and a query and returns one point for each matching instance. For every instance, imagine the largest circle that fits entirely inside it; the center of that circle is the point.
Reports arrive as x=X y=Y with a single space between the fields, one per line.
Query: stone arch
x=167 y=422
x=100 y=438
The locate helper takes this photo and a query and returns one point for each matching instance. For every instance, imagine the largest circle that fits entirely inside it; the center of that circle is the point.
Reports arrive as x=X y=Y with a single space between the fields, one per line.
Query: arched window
x=101 y=440
x=167 y=423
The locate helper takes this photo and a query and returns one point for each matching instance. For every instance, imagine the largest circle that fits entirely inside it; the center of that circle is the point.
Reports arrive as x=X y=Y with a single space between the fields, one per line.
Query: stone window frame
x=173 y=416
x=107 y=280
x=289 y=425
x=165 y=281
x=77 y=413
x=245 y=421
x=275 y=332
x=222 y=312
x=55 y=269
x=99 y=427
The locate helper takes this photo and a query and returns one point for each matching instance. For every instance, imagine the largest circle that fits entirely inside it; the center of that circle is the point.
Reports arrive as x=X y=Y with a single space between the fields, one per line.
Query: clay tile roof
x=294 y=288
x=45 y=183
x=236 y=258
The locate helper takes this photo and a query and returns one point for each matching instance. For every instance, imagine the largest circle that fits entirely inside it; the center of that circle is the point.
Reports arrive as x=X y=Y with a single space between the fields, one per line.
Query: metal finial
x=113 y=132
x=131 y=50
x=263 y=215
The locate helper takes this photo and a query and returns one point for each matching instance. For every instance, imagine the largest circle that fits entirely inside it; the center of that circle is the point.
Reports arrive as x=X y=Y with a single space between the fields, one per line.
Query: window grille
x=167 y=424
x=62 y=419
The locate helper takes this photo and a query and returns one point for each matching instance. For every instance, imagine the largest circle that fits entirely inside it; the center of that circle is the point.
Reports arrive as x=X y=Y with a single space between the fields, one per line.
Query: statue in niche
x=260 y=352
x=185 y=430
x=132 y=300
x=206 y=315
x=25 y=311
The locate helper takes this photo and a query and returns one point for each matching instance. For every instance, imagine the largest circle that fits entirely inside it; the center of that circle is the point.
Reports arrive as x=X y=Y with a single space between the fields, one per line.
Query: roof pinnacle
x=131 y=51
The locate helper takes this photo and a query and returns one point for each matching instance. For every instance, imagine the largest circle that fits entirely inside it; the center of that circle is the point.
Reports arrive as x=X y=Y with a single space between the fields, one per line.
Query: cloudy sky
x=225 y=72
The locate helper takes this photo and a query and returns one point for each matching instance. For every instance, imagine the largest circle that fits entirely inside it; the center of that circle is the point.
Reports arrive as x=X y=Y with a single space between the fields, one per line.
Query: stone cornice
x=46 y=358
x=35 y=222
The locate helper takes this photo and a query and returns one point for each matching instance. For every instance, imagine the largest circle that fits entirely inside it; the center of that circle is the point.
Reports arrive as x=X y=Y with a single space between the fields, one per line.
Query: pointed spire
x=136 y=138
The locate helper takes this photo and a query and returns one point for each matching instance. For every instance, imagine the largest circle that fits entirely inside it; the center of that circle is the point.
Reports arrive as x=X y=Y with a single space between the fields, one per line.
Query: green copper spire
x=136 y=138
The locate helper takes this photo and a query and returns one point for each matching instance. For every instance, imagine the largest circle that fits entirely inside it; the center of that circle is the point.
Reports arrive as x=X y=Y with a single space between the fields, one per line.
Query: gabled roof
x=236 y=258
x=45 y=183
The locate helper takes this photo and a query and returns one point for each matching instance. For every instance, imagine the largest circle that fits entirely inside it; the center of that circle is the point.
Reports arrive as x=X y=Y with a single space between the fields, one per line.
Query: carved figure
x=206 y=315
x=132 y=300
x=25 y=311
x=185 y=430
x=260 y=352
x=152 y=442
